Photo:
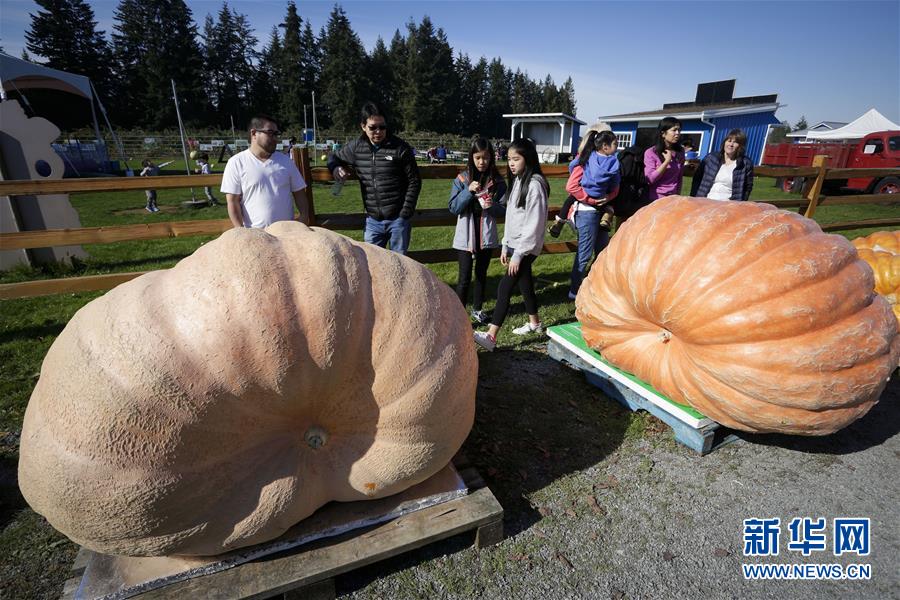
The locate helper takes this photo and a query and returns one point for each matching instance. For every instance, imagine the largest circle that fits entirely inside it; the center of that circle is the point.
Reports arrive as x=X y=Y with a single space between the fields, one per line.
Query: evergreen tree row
x=220 y=75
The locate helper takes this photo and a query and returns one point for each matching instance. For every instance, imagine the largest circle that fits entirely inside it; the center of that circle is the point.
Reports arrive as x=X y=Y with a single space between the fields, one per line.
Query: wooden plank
x=853 y=173
x=815 y=189
x=861 y=224
x=785 y=171
x=106 y=235
x=322 y=175
x=66 y=285
x=107 y=184
x=301 y=159
x=280 y=573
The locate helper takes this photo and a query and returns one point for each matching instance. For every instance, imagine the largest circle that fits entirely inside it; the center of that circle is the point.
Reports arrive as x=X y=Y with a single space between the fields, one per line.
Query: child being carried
x=599 y=182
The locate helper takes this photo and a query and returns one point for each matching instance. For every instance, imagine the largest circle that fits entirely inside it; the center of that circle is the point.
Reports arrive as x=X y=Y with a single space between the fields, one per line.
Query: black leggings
x=526 y=286
x=482 y=260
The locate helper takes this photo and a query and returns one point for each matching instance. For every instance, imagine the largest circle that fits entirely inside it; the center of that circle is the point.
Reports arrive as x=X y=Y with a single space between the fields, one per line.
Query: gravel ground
x=601 y=503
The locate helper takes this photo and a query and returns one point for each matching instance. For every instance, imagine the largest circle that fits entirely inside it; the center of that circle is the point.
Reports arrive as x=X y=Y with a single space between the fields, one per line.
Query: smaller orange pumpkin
x=881 y=251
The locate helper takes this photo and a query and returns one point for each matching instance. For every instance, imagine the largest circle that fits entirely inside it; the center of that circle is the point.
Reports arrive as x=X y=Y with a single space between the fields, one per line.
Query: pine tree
x=430 y=89
x=498 y=99
x=801 y=125
x=567 y=95
x=382 y=90
x=312 y=52
x=229 y=48
x=65 y=34
x=155 y=43
x=344 y=79
x=293 y=67
x=397 y=55
x=266 y=83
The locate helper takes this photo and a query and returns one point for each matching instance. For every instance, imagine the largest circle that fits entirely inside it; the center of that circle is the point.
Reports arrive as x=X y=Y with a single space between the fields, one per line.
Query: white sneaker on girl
x=528 y=328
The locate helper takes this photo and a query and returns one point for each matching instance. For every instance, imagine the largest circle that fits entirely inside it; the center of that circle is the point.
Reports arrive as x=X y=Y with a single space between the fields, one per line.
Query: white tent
x=17 y=74
x=870 y=122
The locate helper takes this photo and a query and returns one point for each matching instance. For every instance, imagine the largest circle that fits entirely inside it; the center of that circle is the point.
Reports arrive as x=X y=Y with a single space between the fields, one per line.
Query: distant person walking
x=664 y=161
x=150 y=170
x=388 y=179
x=205 y=169
x=726 y=174
x=260 y=183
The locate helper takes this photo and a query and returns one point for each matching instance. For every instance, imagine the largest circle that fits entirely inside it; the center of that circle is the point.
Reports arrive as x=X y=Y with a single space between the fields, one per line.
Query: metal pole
x=187 y=166
x=315 y=131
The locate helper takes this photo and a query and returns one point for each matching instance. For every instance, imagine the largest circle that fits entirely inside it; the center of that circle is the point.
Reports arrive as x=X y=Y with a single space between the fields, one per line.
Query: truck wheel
x=888 y=185
x=787 y=184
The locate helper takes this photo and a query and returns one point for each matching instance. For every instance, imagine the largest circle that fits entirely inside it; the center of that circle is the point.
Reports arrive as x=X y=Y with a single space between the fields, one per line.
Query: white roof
x=16 y=73
x=868 y=123
x=543 y=117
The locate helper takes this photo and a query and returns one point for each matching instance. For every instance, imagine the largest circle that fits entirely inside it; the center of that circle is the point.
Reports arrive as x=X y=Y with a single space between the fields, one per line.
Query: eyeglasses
x=374 y=128
x=272 y=132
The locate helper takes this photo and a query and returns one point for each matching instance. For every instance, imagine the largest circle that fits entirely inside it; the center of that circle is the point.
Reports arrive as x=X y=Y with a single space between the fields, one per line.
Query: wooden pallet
x=693 y=429
x=308 y=572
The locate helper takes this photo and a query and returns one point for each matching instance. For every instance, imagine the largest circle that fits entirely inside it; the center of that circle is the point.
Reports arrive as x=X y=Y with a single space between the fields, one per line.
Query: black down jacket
x=388 y=177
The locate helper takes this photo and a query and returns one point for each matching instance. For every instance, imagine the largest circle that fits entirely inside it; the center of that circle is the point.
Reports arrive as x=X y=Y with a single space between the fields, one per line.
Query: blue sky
x=827 y=60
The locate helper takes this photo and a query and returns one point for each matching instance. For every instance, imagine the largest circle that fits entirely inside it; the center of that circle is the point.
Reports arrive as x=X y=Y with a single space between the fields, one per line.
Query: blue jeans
x=393 y=231
x=591 y=240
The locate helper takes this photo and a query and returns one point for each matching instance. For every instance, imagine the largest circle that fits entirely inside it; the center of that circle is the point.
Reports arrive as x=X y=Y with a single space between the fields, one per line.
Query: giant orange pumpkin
x=748 y=313
x=213 y=405
x=881 y=251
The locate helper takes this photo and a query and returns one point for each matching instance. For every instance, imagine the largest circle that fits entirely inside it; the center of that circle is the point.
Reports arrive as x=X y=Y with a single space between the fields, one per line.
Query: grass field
x=36 y=556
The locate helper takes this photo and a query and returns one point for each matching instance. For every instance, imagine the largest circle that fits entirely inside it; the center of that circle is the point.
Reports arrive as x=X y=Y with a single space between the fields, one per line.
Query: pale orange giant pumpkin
x=213 y=405
x=881 y=251
x=748 y=313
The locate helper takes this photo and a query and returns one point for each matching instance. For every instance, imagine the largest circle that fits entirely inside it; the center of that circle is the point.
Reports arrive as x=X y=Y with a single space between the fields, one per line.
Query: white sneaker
x=484 y=339
x=528 y=328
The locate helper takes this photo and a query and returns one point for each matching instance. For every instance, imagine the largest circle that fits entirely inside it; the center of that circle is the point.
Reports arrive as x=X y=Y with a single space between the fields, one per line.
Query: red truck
x=879 y=150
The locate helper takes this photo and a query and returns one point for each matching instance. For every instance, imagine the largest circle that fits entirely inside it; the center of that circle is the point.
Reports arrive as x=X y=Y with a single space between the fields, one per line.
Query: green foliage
x=229 y=51
x=801 y=124
x=65 y=34
x=345 y=82
x=156 y=43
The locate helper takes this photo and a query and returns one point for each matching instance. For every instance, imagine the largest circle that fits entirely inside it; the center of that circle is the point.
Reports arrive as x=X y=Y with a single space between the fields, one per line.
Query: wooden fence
x=437 y=217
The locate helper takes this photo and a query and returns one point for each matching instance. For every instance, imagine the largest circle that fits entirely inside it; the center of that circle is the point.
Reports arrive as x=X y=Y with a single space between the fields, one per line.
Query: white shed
x=553 y=133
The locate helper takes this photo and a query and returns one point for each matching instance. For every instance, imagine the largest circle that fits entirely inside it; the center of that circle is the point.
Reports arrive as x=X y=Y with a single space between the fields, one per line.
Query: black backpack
x=633 y=188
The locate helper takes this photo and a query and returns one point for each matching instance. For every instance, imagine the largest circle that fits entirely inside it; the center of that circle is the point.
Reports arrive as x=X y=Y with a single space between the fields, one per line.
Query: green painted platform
x=692 y=428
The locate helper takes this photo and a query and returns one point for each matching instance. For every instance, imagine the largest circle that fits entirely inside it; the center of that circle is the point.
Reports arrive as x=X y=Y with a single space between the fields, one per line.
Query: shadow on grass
x=880 y=424
x=536 y=422
x=151 y=263
x=32 y=332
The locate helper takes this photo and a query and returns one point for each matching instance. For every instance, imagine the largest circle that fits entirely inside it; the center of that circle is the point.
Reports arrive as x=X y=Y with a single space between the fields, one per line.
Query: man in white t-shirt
x=260 y=183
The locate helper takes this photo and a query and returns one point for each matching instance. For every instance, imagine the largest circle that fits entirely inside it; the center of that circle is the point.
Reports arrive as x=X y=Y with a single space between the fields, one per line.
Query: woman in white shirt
x=727 y=174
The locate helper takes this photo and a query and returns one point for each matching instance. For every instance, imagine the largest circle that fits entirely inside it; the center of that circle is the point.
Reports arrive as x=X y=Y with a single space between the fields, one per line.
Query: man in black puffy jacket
x=388 y=177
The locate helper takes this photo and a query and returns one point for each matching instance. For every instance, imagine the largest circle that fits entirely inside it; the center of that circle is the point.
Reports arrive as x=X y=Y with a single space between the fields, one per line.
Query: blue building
x=705 y=121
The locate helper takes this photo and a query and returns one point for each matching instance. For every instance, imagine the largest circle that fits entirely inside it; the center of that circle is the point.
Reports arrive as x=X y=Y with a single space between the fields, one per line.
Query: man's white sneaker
x=484 y=339
x=528 y=328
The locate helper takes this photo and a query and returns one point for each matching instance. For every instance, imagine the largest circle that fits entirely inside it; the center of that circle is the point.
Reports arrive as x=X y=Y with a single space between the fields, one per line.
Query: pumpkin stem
x=316 y=437
x=664 y=336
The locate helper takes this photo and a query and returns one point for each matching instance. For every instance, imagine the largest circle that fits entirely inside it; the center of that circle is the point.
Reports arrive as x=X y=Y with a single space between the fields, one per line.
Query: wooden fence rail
x=436 y=217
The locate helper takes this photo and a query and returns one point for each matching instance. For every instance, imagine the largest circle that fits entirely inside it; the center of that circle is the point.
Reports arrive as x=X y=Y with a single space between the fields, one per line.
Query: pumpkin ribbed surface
x=215 y=404
x=750 y=314
x=881 y=251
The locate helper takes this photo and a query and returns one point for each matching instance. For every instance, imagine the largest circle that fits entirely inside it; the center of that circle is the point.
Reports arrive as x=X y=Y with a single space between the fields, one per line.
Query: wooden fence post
x=300 y=157
x=816 y=188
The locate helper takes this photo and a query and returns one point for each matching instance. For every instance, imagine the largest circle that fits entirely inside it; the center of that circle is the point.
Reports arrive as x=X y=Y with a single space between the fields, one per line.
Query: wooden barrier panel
x=437 y=217
x=66 y=285
x=106 y=235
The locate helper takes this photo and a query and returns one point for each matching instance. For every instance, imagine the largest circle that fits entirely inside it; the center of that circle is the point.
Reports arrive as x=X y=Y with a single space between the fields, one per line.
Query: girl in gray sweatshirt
x=523 y=239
